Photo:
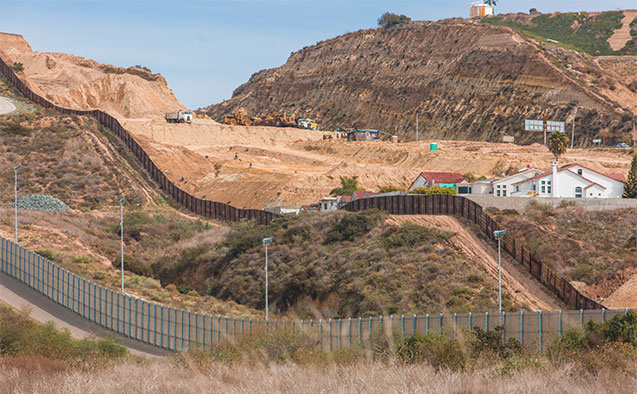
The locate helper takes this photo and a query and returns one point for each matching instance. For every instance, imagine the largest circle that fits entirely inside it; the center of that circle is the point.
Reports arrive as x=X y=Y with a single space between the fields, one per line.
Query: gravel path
x=42 y=309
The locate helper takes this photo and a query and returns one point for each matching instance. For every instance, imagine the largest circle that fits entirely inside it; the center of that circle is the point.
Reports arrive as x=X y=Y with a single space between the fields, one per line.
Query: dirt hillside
x=468 y=80
x=75 y=82
x=297 y=166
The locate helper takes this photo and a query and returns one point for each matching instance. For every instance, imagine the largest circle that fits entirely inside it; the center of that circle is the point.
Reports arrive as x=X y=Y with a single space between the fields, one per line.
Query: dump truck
x=240 y=118
x=179 y=117
x=277 y=119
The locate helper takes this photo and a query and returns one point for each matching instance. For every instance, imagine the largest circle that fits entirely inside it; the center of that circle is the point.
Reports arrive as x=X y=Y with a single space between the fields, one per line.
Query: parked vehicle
x=179 y=117
x=304 y=123
x=623 y=145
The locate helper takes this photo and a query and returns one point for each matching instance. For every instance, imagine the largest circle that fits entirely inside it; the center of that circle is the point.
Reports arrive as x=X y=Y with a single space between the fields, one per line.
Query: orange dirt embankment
x=520 y=286
x=298 y=167
x=78 y=83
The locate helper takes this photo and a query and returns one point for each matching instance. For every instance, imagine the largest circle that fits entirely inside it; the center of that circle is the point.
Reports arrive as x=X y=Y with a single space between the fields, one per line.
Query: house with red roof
x=432 y=178
x=571 y=181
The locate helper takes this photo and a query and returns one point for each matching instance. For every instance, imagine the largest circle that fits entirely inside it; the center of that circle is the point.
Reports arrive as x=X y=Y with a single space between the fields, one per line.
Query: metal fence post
x=370 y=329
x=175 y=330
x=161 y=325
x=415 y=325
x=559 y=323
x=226 y=337
x=603 y=315
x=521 y=328
x=219 y=328
x=189 y=330
x=427 y=325
x=503 y=324
x=454 y=325
x=330 y=333
x=196 y=328
x=581 y=319
x=470 y=328
x=349 y=331
x=181 y=329
x=486 y=321
x=402 y=325
x=154 y=324
x=540 y=331
x=250 y=324
x=441 y=324
x=339 y=333
x=360 y=323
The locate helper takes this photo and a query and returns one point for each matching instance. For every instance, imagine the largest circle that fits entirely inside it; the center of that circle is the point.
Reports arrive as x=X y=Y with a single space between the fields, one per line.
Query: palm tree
x=348 y=186
x=557 y=143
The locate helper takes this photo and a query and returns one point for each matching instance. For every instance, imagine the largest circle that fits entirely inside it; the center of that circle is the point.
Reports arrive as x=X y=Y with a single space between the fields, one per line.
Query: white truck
x=179 y=117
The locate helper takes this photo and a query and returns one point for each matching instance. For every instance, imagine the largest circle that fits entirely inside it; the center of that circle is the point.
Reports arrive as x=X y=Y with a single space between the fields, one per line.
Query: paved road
x=42 y=309
x=6 y=106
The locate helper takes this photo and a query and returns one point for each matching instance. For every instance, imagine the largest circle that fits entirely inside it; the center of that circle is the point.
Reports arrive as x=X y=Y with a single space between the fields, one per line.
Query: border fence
x=413 y=204
x=207 y=208
x=177 y=329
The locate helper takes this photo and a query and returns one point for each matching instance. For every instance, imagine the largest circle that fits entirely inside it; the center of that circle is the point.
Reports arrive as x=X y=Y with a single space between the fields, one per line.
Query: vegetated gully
x=521 y=286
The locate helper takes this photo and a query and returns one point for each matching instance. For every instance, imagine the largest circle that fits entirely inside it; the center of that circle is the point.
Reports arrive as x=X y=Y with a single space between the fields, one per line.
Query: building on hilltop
x=479 y=8
x=571 y=181
x=442 y=179
x=476 y=187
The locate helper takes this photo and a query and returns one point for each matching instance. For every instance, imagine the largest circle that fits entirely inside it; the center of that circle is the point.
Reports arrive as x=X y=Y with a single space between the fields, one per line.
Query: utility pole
x=417 y=113
x=15 y=189
x=573 y=131
x=499 y=235
x=121 y=230
x=266 y=241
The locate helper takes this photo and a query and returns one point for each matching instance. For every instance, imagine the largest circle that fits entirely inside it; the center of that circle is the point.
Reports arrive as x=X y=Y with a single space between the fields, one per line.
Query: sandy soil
x=622 y=35
x=79 y=83
x=523 y=288
x=623 y=297
x=297 y=166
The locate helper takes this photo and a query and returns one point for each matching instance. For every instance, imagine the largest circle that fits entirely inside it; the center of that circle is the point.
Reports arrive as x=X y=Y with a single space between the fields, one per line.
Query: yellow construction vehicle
x=277 y=119
x=239 y=117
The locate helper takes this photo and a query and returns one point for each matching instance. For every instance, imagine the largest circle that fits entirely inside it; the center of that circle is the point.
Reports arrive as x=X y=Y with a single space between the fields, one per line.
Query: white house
x=571 y=180
x=328 y=204
x=477 y=187
x=505 y=186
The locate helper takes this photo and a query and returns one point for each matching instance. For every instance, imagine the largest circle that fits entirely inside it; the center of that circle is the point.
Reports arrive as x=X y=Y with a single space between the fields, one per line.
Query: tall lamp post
x=266 y=241
x=15 y=189
x=121 y=232
x=417 y=113
x=499 y=235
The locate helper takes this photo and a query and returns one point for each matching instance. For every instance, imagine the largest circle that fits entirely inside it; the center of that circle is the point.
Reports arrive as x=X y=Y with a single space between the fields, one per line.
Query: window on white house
x=534 y=187
x=497 y=193
x=579 y=172
x=504 y=193
x=578 y=192
x=544 y=182
x=548 y=182
x=543 y=189
x=517 y=188
x=548 y=189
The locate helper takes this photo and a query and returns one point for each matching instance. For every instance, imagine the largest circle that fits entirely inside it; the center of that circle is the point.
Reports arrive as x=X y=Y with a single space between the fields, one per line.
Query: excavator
x=277 y=119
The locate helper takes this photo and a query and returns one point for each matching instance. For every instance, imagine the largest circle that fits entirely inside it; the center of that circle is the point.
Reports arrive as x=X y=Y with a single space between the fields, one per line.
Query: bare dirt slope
x=297 y=166
x=518 y=284
x=78 y=83
x=469 y=81
x=622 y=35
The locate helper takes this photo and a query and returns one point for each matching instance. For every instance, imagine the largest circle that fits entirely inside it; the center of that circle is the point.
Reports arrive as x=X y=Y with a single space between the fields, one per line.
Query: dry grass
x=170 y=377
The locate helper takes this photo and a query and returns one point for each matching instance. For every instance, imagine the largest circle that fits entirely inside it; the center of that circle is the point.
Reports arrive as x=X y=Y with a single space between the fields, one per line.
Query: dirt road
x=523 y=288
x=42 y=309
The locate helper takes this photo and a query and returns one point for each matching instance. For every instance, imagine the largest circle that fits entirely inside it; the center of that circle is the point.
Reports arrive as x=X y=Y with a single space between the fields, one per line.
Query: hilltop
x=469 y=80
x=75 y=82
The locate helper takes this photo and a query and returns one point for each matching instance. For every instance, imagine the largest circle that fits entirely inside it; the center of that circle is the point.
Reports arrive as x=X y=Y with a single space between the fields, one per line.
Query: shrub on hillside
x=352 y=225
x=410 y=235
x=438 y=351
x=18 y=67
x=388 y=20
x=15 y=128
x=437 y=190
x=389 y=189
x=134 y=265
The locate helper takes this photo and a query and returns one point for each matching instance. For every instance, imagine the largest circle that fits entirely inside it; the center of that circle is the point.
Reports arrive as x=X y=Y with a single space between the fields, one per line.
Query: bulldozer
x=277 y=119
x=239 y=117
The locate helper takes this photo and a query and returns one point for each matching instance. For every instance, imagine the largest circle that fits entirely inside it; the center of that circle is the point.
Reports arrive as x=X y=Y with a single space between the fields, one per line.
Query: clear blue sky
x=205 y=49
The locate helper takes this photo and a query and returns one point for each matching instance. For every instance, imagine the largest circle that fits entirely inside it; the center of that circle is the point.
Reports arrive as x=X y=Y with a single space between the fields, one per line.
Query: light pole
x=121 y=232
x=266 y=241
x=573 y=129
x=15 y=206
x=499 y=235
x=417 y=113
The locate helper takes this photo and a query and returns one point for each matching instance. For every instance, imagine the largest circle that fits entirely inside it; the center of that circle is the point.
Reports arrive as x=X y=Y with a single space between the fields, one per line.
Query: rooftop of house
x=616 y=177
x=442 y=177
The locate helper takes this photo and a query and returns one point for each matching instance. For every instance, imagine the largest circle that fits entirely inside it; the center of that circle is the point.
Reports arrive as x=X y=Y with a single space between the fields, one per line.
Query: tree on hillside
x=557 y=143
x=490 y=2
x=348 y=186
x=630 y=188
x=388 y=20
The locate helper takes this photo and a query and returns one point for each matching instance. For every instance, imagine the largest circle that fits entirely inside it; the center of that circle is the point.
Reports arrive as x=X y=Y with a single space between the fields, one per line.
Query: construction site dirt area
x=249 y=166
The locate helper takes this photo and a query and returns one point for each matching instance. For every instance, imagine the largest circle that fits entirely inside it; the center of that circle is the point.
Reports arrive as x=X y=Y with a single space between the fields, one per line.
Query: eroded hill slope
x=78 y=83
x=467 y=79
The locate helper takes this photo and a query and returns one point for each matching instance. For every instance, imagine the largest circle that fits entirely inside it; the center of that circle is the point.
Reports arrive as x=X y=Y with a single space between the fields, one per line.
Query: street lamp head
x=121 y=200
x=267 y=240
x=499 y=234
x=16 y=168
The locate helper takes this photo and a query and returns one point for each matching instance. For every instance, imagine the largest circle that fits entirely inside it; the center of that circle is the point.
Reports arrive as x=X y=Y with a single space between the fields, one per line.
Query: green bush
x=134 y=265
x=18 y=67
x=410 y=235
x=15 y=128
x=352 y=225
x=438 y=351
x=437 y=190
x=388 y=20
x=389 y=189
x=482 y=341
